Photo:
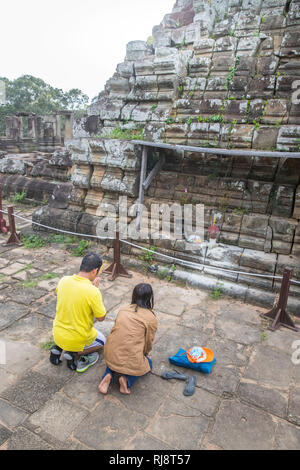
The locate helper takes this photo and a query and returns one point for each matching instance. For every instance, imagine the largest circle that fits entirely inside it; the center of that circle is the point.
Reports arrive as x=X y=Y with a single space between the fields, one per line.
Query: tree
x=33 y=95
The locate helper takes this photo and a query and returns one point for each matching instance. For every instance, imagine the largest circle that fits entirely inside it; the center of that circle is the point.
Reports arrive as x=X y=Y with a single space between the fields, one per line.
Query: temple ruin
x=215 y=74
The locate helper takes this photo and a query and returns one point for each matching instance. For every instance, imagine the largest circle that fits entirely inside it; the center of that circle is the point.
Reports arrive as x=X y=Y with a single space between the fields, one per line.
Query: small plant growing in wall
x=180 y=91
x=216 y=118
x=232 y=71
x=166 y=274
x=216 y=294
x=148 y=256
x=19 y=197
x=241 y=210
x=170 y=121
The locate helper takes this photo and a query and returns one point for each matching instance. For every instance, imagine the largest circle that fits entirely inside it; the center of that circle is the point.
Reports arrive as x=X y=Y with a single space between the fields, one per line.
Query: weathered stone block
x=296 y=213
x=255 y=225
x=288 y=138
x=125 y=69
x=261 y=87
x=81 y=176
x=265 y=138
x=276 y=112
x=259 y=260
x=136 y=50
x=12 y=164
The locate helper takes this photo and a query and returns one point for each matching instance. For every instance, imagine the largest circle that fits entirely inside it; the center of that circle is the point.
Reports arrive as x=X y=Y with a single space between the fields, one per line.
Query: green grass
x=47 y=345
x=28 y=267
x=125 y=134
x=68 y=239
x=33 y=241
x=49 y=276
x=264 y=336
x=81 y=248
x=29 y=284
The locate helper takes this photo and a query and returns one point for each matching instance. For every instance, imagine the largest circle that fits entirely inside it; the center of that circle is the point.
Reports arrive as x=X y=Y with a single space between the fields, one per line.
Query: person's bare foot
x=123 y=386
x=104 y=384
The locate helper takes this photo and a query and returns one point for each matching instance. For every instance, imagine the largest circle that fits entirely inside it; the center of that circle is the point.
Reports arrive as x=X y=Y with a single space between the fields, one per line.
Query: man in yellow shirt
x=79 y=301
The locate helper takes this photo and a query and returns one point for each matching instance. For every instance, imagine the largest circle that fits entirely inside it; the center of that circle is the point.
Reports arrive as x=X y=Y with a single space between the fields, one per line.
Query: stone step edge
x=254 y=296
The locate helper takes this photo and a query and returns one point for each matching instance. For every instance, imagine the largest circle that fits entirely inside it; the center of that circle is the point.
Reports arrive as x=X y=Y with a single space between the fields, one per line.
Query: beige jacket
x=130 y=341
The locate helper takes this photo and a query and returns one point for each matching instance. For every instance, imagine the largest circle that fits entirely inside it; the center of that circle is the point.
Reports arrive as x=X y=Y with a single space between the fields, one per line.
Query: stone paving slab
x=266 y=398
x=32 y=329
x=179 y=425
x=146 y=442
x=270 y=367
x=204 y=401
x=32 y=390
x=251 y=399
x=287 y=437
x=117 y=423
x=240 y=427
x=12 y=269
x=149 y=394
x=25 y=295
x=59 y=417
x=294 y=406
x=4 y=434
x=20 y=356
x=83 y=388
x=10 y=312
x=48 y=308
x=26 y=440
x=10 y=415
x=6 y=379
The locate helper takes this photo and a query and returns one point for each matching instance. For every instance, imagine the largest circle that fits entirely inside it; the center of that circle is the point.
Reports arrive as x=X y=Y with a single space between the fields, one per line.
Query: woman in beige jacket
x=128 y=346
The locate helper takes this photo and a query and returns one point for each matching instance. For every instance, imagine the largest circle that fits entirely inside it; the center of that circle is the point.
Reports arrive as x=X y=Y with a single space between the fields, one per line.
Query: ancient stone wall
x=215 y=73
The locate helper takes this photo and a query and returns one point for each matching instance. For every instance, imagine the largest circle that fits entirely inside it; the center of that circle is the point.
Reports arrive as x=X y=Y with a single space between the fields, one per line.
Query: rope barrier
x=190 y=264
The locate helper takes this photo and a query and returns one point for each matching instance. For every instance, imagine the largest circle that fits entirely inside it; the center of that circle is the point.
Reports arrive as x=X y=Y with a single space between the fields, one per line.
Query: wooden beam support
x=142 y=192
x=219 y=151
x=154 y=172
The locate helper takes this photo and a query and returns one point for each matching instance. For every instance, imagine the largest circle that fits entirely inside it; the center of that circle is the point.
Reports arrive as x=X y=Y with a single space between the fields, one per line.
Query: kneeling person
x=79 y=301
x=130 y=341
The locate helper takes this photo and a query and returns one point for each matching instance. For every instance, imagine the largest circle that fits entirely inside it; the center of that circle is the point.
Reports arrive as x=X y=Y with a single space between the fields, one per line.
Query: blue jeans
x=130 y=378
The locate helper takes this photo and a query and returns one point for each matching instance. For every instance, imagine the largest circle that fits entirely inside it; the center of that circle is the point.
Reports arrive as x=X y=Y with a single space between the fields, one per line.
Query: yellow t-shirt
x=78 y=302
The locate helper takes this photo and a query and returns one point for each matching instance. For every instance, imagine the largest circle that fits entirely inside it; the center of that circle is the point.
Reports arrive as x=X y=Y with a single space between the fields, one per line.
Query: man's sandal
x=173 y=374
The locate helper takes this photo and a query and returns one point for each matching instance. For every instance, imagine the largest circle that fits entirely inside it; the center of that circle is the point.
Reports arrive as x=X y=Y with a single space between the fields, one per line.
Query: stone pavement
x=251 y=400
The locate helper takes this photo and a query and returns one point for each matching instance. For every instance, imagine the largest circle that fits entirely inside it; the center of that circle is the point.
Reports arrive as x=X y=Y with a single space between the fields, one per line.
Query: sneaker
x=84 y=362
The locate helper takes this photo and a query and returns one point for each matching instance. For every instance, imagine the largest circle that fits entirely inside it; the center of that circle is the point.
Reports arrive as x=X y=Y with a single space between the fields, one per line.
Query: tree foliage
x=33 y=95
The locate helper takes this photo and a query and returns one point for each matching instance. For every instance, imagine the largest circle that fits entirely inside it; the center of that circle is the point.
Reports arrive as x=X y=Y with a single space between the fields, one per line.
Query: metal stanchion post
x=116 y=269
x=14 y=238
x=3 y=227
x=278 y=313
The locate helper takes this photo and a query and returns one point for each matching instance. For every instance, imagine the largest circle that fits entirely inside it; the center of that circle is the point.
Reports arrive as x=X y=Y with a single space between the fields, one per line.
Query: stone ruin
x=214 y=74
x=33 y=158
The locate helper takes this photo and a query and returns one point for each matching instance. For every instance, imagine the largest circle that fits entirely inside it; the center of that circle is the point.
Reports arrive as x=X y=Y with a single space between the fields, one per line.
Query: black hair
x=142 y=296
x=89 y=262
